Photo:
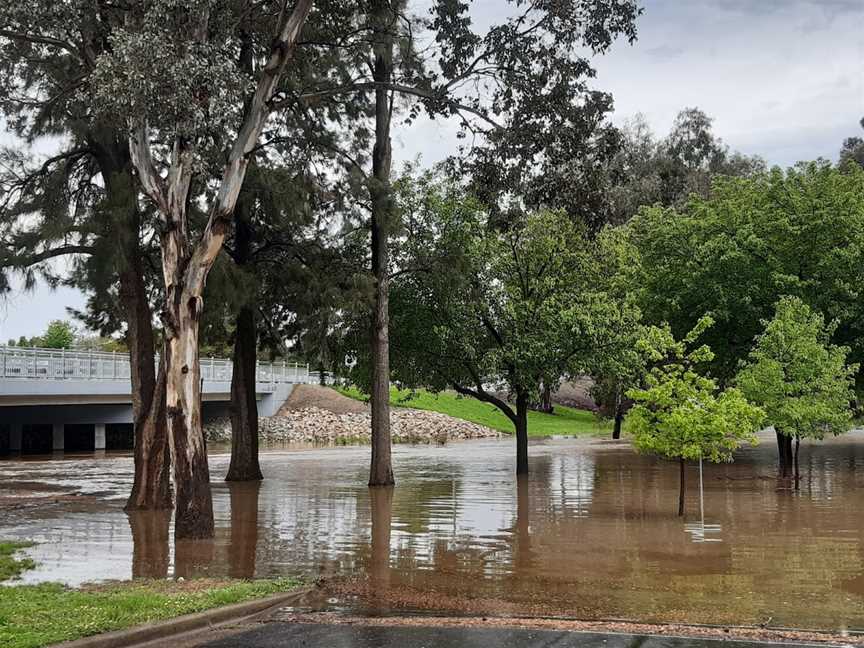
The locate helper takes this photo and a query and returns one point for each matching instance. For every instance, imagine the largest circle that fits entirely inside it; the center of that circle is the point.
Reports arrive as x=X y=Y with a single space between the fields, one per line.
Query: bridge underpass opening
x=5 y=438
x=37 y=438
x=119 y=436
x=79 y=437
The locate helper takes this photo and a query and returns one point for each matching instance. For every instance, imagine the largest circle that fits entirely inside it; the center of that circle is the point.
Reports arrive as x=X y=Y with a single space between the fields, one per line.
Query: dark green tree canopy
x=734 y=254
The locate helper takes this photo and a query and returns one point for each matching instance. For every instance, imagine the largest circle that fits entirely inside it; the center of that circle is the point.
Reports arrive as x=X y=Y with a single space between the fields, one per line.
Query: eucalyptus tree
x=171 y=76
x=648 y=171
x=80 y=201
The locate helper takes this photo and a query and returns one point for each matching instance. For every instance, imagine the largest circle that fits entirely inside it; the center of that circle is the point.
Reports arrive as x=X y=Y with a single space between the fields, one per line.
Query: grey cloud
x=665 y=52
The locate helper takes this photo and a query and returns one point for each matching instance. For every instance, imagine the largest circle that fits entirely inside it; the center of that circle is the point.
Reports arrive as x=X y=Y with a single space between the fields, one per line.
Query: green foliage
x=38 y=615
x=734 y=254
x=518 y=306
x=801 y=380
x=563 y=421
x=59 y=335
x=10 y=566
x=852 y=151
x=682 y=414
x=648 y=171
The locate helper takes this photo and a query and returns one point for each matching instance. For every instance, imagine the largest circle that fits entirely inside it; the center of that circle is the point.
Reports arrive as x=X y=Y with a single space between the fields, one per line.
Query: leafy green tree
x=681 y=414
x=799 y=378
x=477 y=307
x=732 y=255
x=58 y=335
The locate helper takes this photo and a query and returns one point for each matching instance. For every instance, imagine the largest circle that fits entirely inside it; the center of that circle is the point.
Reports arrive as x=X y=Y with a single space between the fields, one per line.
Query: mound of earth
x=314 y=414
x=325 y=398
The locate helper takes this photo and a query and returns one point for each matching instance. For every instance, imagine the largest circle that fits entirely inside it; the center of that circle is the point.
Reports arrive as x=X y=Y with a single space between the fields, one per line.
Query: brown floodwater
x=593 y=533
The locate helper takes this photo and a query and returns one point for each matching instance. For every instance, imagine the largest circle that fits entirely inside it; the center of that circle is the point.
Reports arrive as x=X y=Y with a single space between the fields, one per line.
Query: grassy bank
x=564 y=420
x=38 y=615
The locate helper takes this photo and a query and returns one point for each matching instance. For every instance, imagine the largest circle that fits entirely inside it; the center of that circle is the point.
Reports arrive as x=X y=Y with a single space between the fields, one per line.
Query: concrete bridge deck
x=54 y=399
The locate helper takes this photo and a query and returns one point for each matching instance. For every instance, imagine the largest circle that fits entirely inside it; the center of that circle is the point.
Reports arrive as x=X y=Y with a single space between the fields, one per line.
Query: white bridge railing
x=71 y=364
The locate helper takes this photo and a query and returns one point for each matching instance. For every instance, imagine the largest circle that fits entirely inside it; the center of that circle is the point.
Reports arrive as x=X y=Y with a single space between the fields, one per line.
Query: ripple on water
x=593 y=532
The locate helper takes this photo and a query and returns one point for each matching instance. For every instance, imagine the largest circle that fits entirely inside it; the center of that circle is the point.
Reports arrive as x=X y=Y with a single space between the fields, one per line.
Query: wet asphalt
x=304 y=635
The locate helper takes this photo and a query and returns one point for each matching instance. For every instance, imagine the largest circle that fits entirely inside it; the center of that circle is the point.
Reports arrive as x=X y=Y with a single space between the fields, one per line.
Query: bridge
x=61 y=399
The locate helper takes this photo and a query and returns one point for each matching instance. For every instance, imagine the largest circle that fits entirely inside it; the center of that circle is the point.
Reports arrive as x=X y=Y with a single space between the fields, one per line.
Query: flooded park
x=592 y=533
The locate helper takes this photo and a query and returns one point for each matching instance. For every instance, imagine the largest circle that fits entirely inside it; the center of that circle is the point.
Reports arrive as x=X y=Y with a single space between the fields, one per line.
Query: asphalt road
x=305 y=635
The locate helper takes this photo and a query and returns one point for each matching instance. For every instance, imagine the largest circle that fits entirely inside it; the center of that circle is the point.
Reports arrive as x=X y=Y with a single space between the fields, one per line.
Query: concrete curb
x=187 y=625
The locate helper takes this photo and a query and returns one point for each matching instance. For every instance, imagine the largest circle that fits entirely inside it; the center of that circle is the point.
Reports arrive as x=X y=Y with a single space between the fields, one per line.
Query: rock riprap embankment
x=315 y=425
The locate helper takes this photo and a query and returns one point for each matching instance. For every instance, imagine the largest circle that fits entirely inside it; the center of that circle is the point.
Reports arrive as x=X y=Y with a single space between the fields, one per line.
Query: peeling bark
x=151 y=487
x=186 y=264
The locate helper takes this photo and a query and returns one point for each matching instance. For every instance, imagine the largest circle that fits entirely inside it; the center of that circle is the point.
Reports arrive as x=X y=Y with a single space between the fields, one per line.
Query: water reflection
x=243 y=543
x=593 y=531
x=381 y=507
x=150 y=538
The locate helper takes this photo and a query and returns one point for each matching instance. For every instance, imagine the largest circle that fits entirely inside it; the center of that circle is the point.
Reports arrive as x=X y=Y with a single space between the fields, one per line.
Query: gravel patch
x=317 y=425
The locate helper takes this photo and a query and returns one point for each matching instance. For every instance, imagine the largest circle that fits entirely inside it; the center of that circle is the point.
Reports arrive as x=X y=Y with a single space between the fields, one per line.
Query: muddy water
x=592 y=534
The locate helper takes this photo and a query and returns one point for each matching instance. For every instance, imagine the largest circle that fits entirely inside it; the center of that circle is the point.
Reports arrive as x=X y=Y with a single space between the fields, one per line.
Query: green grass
x=38 y=615
x=564 y=420
x=10 y=566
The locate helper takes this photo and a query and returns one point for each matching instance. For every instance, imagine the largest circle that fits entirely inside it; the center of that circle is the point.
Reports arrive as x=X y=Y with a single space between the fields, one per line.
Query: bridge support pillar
x=99 y=436
x=59 y=437
x=16 y=431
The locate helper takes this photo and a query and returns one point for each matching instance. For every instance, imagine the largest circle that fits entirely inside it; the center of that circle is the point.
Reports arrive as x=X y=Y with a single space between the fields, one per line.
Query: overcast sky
x=783 y=79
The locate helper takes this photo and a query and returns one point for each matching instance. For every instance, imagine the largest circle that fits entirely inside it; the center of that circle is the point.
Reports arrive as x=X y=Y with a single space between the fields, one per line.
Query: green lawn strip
x=38 y=615
x=564 y=420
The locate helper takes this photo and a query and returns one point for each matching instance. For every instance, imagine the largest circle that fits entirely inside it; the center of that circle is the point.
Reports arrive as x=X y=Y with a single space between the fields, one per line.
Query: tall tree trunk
x=619 y=412
x=681 y=486
x=244 y=408
x=797 y=472
x=151 y=486
x=785 y=458
x=194 y=505
x=381 y=469
x=521 y=433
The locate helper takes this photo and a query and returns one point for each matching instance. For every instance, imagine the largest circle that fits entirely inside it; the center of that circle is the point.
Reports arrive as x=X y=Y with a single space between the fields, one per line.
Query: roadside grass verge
x=39 y=615
x=563 y=421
